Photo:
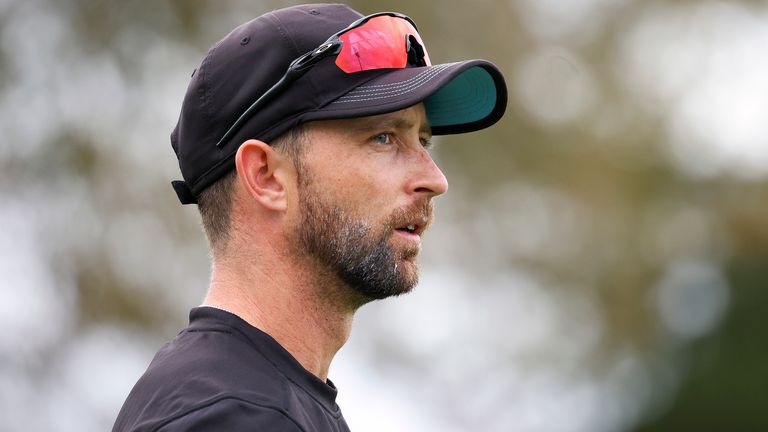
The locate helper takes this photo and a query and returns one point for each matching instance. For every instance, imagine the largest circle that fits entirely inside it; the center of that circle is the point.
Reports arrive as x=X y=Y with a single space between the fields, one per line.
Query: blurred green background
x=600 y=263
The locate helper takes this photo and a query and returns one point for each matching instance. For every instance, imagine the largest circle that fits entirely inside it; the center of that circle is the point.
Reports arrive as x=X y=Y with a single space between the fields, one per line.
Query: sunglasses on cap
x=384 y=40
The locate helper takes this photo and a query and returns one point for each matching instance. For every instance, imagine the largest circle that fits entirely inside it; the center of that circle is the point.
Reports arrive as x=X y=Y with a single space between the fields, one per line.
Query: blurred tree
x=575 y=189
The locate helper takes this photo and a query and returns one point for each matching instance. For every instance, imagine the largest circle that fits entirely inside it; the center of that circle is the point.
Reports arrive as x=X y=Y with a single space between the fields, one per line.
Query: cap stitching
x=285 y=34
x=280 y=27
x=423 y=75
x=404 y=86
x=356 y=96
x=206 y=87
x=433 y=69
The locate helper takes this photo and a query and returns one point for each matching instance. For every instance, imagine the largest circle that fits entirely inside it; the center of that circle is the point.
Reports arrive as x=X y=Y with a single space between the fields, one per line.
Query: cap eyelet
x=245 y=40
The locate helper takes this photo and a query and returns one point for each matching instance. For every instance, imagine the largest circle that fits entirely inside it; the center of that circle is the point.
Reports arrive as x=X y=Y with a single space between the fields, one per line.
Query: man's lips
x=409 y=229
x=407 y=236
x=414 y=226
x=407 y=232
x=413 y=222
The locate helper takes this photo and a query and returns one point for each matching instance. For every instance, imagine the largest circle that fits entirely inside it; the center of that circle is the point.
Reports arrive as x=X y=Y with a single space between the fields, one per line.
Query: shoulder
x=232 y=413
x=223 y=356
x=202 y=374
x=220 y=372
x=212 y=362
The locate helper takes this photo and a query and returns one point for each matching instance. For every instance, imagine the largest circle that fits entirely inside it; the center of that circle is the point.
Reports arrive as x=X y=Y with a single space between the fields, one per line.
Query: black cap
x=458 y=97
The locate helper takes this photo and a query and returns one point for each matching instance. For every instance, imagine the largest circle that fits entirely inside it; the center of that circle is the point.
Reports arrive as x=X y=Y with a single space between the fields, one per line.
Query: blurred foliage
x=727 y=374
x=617 y=175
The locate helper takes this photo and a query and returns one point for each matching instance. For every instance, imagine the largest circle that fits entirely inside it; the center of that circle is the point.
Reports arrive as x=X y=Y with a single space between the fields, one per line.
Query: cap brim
x=458 y=97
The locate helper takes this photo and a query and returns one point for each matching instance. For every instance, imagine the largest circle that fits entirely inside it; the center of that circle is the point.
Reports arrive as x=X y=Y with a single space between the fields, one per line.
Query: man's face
x=364 y=192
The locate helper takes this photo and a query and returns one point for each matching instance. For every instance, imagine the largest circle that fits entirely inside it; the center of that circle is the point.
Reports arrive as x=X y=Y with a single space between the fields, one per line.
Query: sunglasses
x=383 y=40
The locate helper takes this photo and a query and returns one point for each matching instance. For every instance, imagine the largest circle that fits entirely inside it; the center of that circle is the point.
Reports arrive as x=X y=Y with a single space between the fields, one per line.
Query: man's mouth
x=408 y=228
x=414 y=228
x=413 y=223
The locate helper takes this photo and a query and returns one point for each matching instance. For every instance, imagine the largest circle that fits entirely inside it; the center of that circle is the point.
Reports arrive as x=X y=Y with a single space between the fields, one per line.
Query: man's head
x=290 y=97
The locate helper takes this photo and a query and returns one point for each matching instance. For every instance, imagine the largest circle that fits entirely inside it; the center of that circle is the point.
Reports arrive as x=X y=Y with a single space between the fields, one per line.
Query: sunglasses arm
x=306 y=61
x=296 y=69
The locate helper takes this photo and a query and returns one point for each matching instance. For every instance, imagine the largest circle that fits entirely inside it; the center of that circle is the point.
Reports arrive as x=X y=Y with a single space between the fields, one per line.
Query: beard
x=354 y=249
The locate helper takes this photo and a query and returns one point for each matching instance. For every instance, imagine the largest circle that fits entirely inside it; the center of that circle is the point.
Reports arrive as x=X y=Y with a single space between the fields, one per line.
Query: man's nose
x=427 y=178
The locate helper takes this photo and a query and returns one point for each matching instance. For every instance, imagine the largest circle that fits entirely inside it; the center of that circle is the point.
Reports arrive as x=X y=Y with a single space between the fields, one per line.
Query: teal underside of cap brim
x=468 y=98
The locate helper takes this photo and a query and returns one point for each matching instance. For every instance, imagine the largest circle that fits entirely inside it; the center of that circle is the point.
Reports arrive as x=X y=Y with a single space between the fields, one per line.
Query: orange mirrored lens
x=379 y=43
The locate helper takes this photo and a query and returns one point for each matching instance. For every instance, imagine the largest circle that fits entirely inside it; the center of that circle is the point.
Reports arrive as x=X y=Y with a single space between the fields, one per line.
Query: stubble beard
x=355 y=251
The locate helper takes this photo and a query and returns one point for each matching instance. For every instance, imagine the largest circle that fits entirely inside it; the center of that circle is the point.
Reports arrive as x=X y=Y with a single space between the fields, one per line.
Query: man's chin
x=403 y=281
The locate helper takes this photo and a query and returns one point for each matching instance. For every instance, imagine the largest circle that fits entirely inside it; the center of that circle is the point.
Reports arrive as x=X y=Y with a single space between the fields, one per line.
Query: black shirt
x=222 y=374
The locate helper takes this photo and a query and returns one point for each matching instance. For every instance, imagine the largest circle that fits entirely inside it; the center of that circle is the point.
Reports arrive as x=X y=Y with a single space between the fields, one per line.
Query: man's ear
x=259 y=169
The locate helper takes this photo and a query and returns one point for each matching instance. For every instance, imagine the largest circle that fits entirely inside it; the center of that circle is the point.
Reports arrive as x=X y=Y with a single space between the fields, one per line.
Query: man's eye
x=382 y=138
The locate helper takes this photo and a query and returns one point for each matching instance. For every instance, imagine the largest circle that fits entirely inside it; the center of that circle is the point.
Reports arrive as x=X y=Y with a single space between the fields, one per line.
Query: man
x=303 y=139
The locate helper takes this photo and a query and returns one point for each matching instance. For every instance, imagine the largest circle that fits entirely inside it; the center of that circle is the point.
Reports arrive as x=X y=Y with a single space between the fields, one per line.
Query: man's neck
x=304 y=311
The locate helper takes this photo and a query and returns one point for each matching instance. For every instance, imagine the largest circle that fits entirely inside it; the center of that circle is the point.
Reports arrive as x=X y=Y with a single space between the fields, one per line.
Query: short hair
x=215 y=201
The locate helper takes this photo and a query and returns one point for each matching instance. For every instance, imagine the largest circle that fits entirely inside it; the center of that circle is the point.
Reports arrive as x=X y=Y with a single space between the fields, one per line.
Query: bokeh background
x=600 y=263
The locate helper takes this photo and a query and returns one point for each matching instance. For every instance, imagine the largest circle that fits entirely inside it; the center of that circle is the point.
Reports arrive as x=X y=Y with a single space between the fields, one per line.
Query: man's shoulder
x=218 y=357
x=205 y=371
x=221 y=370
x=229 y=413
